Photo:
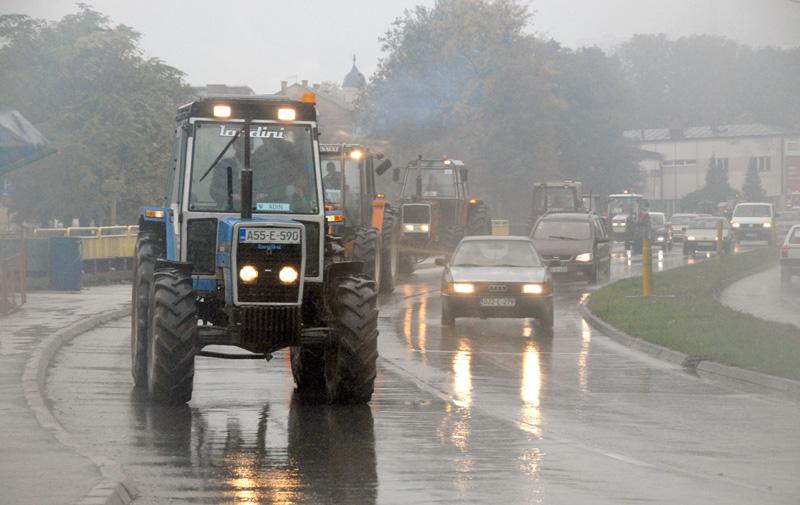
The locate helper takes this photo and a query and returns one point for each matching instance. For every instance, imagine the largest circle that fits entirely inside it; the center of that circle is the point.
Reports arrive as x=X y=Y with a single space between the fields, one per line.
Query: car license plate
x=559 y=269
x=498 y=302
x=269 y=235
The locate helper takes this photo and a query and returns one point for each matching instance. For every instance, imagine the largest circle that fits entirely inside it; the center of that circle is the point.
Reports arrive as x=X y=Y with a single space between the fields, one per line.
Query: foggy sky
x=261 y=42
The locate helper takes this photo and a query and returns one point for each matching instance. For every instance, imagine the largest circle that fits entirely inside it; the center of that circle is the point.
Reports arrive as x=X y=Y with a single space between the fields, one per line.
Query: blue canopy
x=20 y=142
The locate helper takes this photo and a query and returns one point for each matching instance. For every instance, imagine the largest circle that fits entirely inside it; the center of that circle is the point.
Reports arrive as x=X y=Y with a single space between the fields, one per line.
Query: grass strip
x=684 y=316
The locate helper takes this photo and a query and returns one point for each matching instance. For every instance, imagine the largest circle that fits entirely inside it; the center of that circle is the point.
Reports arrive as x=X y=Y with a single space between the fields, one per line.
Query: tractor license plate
x=559 y=269
x=498 y=302
x=269 y=235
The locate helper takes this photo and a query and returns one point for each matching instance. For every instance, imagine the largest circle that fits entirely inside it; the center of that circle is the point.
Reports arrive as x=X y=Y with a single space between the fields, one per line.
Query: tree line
x=466 y=78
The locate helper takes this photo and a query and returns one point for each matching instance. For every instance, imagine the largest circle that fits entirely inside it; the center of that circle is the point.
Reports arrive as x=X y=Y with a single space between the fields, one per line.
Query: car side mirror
x=383 y=167
x=440 y=262
x=464 y=173
x=396 y=174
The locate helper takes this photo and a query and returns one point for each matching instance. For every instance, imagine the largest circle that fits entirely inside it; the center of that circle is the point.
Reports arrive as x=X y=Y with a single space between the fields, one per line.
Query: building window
x=764 y=163
x=722 y=163
x=678 y=163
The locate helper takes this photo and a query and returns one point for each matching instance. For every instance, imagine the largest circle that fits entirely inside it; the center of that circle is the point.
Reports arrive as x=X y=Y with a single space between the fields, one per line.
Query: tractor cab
x=556 y=196
x=626 y=214
x=437 y=209
x=240 y=247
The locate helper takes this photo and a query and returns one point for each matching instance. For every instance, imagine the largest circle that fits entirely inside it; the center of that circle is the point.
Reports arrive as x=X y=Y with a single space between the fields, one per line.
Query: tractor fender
x=337 y=270
x=158 y=221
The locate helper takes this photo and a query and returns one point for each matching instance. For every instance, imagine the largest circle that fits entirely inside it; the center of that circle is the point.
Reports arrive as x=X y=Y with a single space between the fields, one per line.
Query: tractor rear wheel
x=367 y=249
x=454 y=236
x=390 y=253
x=479 y=223
x=148 y=249
x=406 y=264
x=350 y=362
x=308 y=368
x=173 y=337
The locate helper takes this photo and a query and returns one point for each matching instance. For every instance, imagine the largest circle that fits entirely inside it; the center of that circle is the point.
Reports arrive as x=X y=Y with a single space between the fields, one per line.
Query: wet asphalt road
x=493 y=411
x=763 y=296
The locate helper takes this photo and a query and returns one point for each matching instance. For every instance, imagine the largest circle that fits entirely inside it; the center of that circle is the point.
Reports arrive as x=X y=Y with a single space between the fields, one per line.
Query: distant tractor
x=437 y=210
x=554 y=196
x=356 y=212
x=238 y=256
x=627 y=213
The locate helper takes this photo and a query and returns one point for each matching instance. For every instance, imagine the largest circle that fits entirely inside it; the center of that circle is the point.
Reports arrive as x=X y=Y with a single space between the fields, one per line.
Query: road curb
x=732 y=376
x=113 y=489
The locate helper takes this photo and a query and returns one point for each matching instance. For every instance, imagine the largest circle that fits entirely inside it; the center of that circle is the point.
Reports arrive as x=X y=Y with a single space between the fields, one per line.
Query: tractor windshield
x=555 y=198
x=282 y=160
x=436 y=183
x=621 y=206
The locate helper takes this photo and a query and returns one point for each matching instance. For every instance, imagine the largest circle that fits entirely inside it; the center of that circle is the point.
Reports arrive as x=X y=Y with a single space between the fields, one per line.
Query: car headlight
x=463 y=288
x=660 y=238
x=584 y=258
x=533 y=289
x=690 y=238
x=288 y=275
x=248 y=274
x=767 y=225
x=736 y=225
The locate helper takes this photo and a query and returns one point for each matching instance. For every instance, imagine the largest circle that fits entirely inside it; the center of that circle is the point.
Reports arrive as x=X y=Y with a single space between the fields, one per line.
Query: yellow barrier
x=99 y=242
x=500 y=227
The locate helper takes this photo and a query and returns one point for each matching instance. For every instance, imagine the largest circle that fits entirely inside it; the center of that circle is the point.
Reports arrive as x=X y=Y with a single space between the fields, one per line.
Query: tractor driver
x=332 y=179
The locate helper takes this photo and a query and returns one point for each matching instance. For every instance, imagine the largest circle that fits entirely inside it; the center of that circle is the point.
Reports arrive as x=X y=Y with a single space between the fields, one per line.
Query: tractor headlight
x=767 y=225
x=424 y=228
x=411 y=227
x=533 y=289
x=463 y=288
x=248 y=274
x=288 y=275
x=584 y=258
x=287 y=114
x=408 y=227
x=736 y=225
x=690 y=238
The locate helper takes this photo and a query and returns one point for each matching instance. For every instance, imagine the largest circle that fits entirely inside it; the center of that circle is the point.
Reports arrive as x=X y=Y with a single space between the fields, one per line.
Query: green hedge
x=683 y=315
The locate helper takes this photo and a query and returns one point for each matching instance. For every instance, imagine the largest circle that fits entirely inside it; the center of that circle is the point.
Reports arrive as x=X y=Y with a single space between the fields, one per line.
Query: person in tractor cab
x=432 y=187
x=332 y=179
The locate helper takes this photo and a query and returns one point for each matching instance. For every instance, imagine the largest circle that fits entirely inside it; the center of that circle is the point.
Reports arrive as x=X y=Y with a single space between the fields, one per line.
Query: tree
x=717 y=189
x=752 y=189
x=108 y=111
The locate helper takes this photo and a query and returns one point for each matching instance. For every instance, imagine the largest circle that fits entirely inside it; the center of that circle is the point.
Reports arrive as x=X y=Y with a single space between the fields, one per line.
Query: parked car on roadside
x=661 y=232
x=678 y=223
x=701 y=235
x=790 y=255
x=496 y=276
x=573 y=245
x=754 y=221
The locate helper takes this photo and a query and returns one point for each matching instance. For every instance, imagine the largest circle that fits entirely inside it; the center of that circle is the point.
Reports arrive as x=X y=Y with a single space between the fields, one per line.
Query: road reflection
x=583 y=356
x=531 y=389
x=462 y=376
x=325 y=455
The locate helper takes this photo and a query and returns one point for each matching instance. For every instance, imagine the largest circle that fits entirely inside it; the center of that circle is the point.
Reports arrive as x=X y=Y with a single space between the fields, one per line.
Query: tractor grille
x=416 y=213
x=270 y=328
x=201 y=245
x=268 y=259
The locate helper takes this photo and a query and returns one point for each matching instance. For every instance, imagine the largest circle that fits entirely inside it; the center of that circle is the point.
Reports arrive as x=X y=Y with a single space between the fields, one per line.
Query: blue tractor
x=239 y=256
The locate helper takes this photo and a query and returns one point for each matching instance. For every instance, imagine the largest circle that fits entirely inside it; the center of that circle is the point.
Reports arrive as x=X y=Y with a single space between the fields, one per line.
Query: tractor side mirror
x=383 y=167
x=396 y=174
x=440 y=262
x=464 y=173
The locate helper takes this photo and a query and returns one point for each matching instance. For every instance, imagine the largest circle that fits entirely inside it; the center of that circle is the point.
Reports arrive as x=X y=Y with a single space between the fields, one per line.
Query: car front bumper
x=535 y=306
x=754 y=233
x=702 y=245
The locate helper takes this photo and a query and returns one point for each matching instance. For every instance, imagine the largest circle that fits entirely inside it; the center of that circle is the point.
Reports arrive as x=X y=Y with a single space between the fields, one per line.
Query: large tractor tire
x=308 y=368
x=367 y=249
x=173 y=337
x=406 y=264
x=479 y=223
x=350 y=361
x=148 y=250
x=390 y=252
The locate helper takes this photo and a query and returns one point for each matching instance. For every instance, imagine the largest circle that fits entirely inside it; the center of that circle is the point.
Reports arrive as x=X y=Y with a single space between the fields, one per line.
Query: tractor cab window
x=282 y=160
x=436 y=183
x=342 y=185
x=352 y=190
x=621 y=206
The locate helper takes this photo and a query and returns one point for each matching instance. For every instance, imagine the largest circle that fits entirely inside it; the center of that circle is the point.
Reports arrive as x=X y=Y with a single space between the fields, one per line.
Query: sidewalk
x=762 y=296
x=34 y=466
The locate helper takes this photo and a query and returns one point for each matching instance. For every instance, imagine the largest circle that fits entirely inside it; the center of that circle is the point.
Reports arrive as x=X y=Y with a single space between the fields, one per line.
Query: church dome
x=354 y=78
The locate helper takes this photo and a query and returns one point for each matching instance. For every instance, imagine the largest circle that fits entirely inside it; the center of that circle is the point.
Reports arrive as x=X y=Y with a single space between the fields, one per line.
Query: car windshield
x=282 y=160
x=496 y=253
x=554 y=229
x=794 y=236
x=680 y=220
x=752 y=211
x=704 y=224
x=436 y=183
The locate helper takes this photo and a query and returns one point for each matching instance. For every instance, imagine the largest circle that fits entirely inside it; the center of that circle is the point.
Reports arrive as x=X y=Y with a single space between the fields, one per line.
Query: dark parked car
x=573 y=245
x=496 y=276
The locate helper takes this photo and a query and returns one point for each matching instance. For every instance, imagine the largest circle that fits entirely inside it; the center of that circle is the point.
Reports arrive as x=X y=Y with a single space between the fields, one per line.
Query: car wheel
x=593 y=274
x=448 y=319
x=546 y=318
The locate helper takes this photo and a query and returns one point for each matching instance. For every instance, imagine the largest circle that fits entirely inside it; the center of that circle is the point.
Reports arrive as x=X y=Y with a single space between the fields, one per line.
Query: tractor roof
x=263 y=107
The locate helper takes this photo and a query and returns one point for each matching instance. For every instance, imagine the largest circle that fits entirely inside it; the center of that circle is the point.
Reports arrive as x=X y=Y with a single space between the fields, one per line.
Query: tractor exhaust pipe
x=247 y=178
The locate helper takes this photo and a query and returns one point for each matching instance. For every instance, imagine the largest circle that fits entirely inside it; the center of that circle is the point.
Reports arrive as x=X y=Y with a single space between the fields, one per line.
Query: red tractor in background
x=356 y=212
x=436 y=209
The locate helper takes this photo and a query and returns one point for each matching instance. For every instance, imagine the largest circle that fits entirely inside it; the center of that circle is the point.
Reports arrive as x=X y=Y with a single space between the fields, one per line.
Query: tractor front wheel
x=479 y=223
x=148 y=249
x=390 y=253
x=173 y=337
x=351 y=360
x=308 y=368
